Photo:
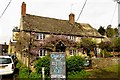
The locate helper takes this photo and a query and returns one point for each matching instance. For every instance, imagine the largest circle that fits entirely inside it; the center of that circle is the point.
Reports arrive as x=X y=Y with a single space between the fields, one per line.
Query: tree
x=110 y=31
x=116 y=32
x=88 y=44
x=116 y=44
x=101 y=30
x=106 y=45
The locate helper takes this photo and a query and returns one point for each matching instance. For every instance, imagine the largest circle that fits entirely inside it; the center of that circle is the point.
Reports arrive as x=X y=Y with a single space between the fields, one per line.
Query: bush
x=43 y=62
x=18 y=65
x=23 y=71
x=74 y=64
x=106 y=45
x=79 y=75
x=35 y=75
x=105 y=53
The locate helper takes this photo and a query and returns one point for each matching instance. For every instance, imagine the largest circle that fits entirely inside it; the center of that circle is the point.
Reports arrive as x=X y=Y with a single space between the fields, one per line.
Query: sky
x=96 y=12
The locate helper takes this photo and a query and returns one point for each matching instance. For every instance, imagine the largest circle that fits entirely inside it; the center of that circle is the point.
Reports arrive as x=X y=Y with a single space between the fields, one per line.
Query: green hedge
x=74 y=64
x=105 y=53
x=23 y=72
x=43 y=62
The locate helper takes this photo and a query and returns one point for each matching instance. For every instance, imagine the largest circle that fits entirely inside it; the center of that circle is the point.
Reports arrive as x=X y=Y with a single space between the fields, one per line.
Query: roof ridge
x=46 y=17
x=54 y=18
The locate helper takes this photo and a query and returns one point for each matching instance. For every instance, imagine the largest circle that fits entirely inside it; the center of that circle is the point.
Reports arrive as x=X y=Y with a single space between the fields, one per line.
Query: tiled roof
x=57 y=26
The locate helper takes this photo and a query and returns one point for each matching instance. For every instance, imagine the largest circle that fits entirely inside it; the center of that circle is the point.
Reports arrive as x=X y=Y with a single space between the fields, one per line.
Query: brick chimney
x=23 y=9
x=71 y=18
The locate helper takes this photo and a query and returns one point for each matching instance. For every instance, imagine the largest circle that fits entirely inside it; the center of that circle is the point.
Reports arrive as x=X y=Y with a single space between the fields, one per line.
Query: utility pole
x=118 y=1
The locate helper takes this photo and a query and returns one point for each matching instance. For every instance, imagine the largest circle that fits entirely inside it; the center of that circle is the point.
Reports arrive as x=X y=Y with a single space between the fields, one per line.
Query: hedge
x=73 y=64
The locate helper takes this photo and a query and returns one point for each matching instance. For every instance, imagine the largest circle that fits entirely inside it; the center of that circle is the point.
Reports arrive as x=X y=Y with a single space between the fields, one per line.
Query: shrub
x=23 y=72
x=43 y=62
x=35 y=75
x=18 y=65
x=74 y=64
x=106 y=45
x=105 y=53
x=80 y=75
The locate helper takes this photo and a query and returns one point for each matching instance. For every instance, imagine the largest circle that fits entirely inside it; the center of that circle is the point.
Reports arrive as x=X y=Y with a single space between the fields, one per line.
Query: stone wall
x=103 y=62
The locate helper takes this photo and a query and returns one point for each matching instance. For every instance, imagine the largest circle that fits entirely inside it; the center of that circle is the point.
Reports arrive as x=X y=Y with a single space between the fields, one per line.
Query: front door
x=60 y=47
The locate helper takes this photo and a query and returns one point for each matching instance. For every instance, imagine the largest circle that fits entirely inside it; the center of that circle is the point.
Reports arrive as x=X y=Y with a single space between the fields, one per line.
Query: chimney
x=23 y=9
x=71 y=18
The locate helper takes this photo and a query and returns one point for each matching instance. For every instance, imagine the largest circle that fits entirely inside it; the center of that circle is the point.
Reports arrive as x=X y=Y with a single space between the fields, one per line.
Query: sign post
x=57 y=65
x=43 y=73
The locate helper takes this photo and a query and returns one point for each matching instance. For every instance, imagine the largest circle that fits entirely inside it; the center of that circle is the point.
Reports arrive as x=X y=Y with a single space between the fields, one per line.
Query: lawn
x=109 y=72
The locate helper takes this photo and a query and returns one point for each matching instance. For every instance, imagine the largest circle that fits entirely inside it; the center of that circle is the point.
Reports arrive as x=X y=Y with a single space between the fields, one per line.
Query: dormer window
x=40 y=36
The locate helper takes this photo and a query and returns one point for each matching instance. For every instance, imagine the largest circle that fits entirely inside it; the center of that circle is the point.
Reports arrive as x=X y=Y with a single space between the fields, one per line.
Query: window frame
x=73 y=38
x=40 y=36
x=42 y=52
x=72 y=52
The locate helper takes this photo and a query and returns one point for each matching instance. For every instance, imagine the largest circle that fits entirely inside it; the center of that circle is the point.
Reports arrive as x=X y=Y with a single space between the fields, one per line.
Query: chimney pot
x=71 y=18
x=23 y=9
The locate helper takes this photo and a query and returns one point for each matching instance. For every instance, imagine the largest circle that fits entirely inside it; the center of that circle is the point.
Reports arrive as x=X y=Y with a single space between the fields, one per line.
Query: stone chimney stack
x=72 y=18
x=23 y=9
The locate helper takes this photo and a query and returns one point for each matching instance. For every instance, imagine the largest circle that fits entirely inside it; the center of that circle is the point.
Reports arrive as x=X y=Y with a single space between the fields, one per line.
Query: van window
x=5 y=61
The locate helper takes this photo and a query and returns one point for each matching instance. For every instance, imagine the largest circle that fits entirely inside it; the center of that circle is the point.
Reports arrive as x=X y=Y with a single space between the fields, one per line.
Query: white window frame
x=42 y=52
x=40 y=36
x=73 y=38
x=72 y=52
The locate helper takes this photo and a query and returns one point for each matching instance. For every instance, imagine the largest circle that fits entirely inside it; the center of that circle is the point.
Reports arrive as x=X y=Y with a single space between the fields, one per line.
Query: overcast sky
x=96 y=12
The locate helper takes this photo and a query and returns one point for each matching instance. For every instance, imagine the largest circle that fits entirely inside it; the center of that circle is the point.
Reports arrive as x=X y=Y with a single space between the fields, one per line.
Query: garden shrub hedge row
x=23 y=72
x=74 y=64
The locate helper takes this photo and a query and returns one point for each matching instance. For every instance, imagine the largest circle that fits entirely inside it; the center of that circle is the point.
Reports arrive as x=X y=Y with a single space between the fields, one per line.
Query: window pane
x=42 y=52
x=40 y=36
x=5 y=60
x=37 y=37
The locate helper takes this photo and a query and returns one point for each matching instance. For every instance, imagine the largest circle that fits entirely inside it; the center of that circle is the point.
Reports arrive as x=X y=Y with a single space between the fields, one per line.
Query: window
x=42 y=52
x=3 y=49
x=40 y=36
x=72 y=52
x=72 y=38
x=5 y=61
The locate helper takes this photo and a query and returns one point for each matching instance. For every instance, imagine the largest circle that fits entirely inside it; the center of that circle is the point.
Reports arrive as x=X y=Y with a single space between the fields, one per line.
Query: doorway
x=60 y=47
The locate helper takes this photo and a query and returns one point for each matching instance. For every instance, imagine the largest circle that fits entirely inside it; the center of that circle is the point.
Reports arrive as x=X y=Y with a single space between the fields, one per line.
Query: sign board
x=58 y=65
